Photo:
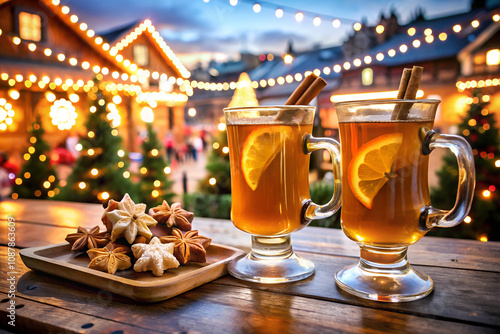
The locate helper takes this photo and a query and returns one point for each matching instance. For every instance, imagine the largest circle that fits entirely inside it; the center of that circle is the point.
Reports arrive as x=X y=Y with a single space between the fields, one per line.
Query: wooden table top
x=466 y=296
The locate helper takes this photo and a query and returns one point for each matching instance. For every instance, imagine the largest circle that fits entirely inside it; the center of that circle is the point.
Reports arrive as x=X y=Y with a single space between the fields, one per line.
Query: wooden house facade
x=50 y=60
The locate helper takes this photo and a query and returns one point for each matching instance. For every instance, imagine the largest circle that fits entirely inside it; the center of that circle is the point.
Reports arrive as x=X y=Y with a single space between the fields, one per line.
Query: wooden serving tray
x=60 y=261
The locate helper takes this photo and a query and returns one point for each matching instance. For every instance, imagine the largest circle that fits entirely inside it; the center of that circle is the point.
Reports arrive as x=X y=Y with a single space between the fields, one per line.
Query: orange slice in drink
x=372 y=167
x=259 y=149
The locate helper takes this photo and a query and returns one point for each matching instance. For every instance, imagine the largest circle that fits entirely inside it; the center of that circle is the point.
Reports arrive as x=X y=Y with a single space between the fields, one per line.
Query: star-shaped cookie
x=154 y=256
x=110 y=258
x=129 y=220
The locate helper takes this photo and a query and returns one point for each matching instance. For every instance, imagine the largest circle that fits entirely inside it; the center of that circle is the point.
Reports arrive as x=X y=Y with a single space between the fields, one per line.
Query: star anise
x=110 y=258
x=172 y=216
x=129 y=220
x=188 y=247
x=85 y=239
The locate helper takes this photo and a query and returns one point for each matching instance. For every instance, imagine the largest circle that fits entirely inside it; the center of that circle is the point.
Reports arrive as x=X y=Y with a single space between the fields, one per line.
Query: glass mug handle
x=311 y=210
x=432 y=217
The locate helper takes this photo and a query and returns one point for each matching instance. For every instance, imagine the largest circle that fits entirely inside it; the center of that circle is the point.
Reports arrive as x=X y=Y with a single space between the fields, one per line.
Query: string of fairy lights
x=186 y=86
x=140 y=76
x=298 y=14
x=463 y=85
x=113 y=50
x=337 y=68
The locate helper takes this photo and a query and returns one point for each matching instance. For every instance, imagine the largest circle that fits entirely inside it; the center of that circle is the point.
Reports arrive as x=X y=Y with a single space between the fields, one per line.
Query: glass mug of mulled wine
x=385 y=197
x=268 y=148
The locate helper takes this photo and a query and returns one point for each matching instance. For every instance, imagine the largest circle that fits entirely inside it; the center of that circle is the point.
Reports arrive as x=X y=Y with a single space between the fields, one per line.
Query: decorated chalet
x=51 y=64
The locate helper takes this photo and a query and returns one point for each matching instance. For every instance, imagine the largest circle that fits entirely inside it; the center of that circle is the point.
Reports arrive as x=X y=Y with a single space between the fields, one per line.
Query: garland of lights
x=299 y=15
x=46 y=81
x=153 y=97
x=113 y=51
x=89 y=87
x=187 y=85
x=429 y=38
x=461 y=86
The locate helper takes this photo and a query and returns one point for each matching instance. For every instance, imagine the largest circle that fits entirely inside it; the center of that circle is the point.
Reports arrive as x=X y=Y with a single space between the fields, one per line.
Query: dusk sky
x=200 y=30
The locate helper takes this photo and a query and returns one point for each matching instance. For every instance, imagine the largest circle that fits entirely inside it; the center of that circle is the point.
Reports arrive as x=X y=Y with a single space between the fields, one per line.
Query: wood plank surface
x=49 y=215
x=465 y=272
x=224 y=306
x=49 y=319
x=454 y=300
x=435 y=251
x=455 y=297
x=58 y=213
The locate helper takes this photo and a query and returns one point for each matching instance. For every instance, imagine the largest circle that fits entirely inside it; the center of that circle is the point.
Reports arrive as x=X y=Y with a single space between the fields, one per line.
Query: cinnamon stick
x=405 y=77
x=308 y=89
x=304 y=85
x=408 y=88
x=311 y=92
x=413 y=83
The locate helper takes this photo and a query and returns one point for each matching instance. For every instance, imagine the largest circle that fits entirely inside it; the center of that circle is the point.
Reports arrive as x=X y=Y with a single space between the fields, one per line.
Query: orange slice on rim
x=259 y=149
x=372 y=166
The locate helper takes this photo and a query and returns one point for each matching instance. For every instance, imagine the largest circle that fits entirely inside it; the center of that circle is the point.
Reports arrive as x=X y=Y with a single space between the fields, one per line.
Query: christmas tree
x=154 y=186
x=479 y=129
x=37 y=179
x=100 y=172
x=244 y=95
x=218 y=179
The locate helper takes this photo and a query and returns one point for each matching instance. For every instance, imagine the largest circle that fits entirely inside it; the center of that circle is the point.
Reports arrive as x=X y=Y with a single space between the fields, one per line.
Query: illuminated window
x=493 y=57
x=367 y=77
x=30 y=26
x=141 y=56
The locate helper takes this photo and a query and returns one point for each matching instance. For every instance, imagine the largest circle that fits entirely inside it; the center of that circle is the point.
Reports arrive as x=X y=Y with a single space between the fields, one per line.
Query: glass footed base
x=396 y=282
x=290 y=269
x=271 y=261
